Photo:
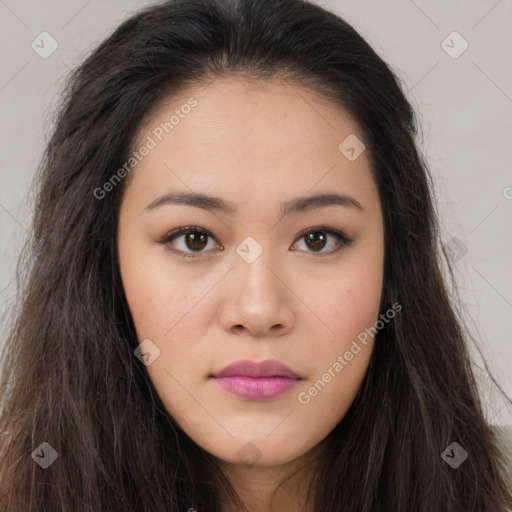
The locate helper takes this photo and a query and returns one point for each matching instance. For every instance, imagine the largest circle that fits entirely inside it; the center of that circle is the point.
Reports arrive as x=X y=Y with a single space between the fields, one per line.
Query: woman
x=235 y=294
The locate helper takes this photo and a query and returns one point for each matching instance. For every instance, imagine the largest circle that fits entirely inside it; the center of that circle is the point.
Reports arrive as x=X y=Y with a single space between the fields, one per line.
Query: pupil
x=317 y=239
x=197 y=241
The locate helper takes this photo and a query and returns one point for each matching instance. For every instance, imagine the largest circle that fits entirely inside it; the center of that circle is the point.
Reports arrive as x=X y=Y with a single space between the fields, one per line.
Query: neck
x=271 y=488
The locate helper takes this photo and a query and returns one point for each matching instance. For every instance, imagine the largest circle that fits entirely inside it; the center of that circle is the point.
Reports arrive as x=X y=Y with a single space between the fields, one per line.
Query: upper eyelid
x=186 y=229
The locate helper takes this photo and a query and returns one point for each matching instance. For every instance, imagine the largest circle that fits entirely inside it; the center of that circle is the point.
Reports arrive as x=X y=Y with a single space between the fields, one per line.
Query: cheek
x=360 y=291
x=349 y=307
x=157 y=294
x=346 y=353
x=347 y=303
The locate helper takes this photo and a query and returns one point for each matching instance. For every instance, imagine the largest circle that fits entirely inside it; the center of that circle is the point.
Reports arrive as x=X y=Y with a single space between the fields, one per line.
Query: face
x=262 y=273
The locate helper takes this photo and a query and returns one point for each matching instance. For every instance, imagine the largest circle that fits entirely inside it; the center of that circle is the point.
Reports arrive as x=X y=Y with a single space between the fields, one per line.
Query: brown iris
x=317 y=239
x=196 y=240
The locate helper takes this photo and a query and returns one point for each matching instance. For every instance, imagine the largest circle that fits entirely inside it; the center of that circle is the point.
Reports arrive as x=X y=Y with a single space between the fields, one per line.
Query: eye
x=317 y=238
x=194 y=238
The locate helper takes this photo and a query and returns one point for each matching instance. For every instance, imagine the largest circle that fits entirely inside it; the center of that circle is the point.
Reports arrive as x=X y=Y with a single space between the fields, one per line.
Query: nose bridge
x=258 y=299
x=256 y=267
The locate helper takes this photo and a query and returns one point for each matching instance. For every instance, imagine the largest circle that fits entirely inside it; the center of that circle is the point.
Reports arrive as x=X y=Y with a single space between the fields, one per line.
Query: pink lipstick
x=257 y=380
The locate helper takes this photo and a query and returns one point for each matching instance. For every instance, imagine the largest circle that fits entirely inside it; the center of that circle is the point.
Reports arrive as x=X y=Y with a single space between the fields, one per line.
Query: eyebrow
x=212 y=203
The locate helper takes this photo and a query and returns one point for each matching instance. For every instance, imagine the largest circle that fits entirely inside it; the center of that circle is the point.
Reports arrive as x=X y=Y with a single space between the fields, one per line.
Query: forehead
x=250 y=107
x=269 y=137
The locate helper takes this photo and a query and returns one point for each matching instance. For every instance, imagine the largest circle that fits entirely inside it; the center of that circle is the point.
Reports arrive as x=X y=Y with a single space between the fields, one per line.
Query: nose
x=259 y=301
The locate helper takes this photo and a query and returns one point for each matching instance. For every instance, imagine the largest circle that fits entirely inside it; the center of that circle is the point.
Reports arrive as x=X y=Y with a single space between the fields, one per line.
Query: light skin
x=255 y=146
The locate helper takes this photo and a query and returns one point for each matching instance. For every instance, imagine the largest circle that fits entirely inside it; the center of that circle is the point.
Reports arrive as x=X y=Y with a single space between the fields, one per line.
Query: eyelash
x=340 y=237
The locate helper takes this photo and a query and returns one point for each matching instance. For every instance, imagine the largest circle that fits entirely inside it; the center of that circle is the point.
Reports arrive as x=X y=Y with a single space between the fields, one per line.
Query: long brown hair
x=70 y=377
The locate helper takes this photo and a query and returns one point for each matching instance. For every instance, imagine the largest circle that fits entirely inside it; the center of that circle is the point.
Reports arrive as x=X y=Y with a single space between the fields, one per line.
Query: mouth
x=257 y=380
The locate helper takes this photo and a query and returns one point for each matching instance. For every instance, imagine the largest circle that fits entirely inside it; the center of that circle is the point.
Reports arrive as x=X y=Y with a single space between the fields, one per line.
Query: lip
x=248 y=368
x=257 y=380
